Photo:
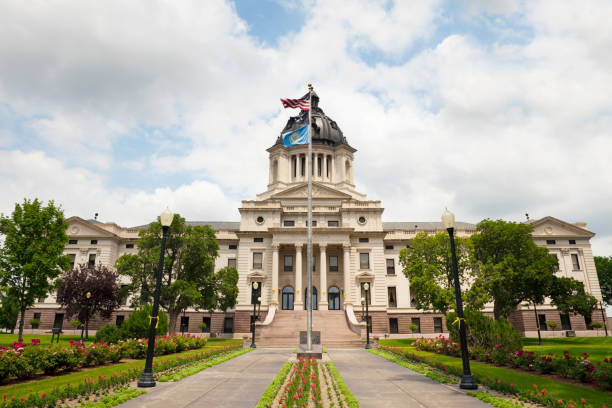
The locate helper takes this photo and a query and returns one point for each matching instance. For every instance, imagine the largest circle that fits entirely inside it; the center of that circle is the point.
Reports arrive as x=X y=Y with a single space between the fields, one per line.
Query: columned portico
x=299 y=304
x=323 y=275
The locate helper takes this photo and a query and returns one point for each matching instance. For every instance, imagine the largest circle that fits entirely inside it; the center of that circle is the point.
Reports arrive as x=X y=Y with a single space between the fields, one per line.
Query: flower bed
x=579 y=368
x=137 y=348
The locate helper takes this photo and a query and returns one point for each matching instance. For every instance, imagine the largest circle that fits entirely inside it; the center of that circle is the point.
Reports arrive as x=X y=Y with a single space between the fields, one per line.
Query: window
x=37 y=316
x=257 y=260
x=294 y=166
x=58 y=321
x=314 y=223
x=550 y=242
x=391 y=266
x=363 y=292
x=333 y=263
x=289 y=223
x=184 y=328
x=319 y=166
x=392 y=297
x=72 y=258
x=206 y=321
x=327 y=167
x=565 y=322
x=258 y=239
x=417 y=322
x=231 y=262
x=575 y=262
x=72 y=242
x=303 y=165
x=437 y=325
x=572 y=242
x=542 y=322
x=288 y=263
x=364 y=260
x=588 y=321
x=233 y=246
x=92 y=261
x=389 y=247
x=228 y=325
x=94 y=242
x=362 y=220
x=393 y=327
x=314 y=263
x=119 y=320
x=287 y=298
x=333 y=223
x=259 y=220
x=129 y=246
x=41 y=299
x=364 y=240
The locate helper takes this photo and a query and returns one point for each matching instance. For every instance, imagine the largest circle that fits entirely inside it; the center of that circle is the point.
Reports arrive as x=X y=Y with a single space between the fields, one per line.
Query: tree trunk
x=21 y=323
x=497 y=311
x=172 y=318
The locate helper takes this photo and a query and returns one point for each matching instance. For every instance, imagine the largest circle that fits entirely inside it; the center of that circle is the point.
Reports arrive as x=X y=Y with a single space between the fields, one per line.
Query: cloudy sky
x=493 y=108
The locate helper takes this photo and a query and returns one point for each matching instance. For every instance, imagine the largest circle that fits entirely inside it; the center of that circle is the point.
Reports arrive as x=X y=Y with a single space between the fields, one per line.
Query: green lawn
x=598 y=348
x=397 y=342
x=7 y=340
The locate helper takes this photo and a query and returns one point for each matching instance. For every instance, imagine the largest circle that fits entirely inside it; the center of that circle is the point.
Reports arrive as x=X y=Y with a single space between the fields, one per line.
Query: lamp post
x=467 y=381
x=366 y=288
x=146 y=379
x=256 y=302
x=362 y=309
x=85 y=327
x=603 y=317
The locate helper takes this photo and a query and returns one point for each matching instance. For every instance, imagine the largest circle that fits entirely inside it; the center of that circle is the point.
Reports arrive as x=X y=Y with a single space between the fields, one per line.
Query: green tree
x=188 y=277
x=428 y=266
x=31 y=257
x=9 y=311
x=569 y=296
x=511 y=267
x=604 y=273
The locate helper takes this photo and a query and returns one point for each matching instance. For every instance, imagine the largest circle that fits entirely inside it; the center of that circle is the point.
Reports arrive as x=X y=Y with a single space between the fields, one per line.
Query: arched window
x=315 y=303
x=287 y=298
x=333 y=298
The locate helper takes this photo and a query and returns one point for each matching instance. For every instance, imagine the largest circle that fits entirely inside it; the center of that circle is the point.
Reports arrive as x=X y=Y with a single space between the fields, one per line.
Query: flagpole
x=309 y=221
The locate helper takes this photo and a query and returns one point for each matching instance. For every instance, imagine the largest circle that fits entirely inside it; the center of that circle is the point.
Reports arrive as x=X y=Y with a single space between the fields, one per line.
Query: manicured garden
x=598 y=348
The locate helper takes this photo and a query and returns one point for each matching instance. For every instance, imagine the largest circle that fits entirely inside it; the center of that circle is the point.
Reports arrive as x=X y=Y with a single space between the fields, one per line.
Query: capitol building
x=352 y=245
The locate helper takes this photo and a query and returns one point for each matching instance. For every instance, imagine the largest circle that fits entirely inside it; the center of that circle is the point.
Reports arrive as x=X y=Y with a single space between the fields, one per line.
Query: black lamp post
x=256 y=304
x=366 y=288
x=603 y=317
x=85 y=327
x=147 y=380
x=467 y=381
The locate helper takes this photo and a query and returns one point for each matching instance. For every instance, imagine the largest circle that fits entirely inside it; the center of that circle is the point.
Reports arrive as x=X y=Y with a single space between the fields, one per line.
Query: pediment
x=553 y=227
x=318 y=191
x=78 y=227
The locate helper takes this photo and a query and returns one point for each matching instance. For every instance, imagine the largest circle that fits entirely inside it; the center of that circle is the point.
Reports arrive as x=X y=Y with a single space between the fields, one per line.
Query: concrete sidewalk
x=239 y=382
x=379 y=383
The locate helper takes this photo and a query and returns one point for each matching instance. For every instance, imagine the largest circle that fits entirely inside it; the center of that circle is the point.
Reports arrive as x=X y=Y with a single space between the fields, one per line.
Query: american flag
x=303 y=103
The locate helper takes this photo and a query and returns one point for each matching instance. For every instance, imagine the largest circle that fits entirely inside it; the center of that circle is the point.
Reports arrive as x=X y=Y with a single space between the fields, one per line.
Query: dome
x=325 y=129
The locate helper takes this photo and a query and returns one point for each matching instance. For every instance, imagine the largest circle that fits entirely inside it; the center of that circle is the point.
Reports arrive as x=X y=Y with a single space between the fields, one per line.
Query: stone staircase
x=285 y=329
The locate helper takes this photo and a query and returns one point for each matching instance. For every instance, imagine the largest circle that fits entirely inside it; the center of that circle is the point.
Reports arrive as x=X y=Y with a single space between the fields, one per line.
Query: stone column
x=323 y=274
x=298 y=300
x=346 y=269
x=275 y=290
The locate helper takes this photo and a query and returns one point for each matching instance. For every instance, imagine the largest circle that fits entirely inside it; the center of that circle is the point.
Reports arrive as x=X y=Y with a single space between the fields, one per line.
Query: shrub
x=137 y=325
x=109 y=334
x=485 y=332
x=35 y=323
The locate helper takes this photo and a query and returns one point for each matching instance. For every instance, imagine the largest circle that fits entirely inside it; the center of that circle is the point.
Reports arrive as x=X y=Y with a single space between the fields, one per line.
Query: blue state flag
x=296 y=137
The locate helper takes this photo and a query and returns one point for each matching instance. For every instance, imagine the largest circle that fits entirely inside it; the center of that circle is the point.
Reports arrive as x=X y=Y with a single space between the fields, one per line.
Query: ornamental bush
x=137 y=325
x=485 y=332
x=110 y=334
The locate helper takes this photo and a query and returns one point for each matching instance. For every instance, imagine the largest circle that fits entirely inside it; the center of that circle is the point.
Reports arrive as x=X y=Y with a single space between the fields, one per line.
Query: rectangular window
x=72 y=258
x=257 y=260
x=417 y=322
x=314 y=263
x=288 y=263
x=550 y=242
x=92 y=261
x=393 y=326
x=94 y=241
x=319 y=166
x=333 y=223
x=390 y=266
x=542 y=322
x=437 y=325
x=565 y=322
x=41 y=299
x=575 y=262
x=333 y=263
x=231 y=262
x=572 y=242
x=588 y=321
x=314 y=223
x=388 y=247
x=364 y=260
x=327 y=167
x=129 y=246
x=294 y=166
x=258 y=239
x=364 y=240
x=228 y=325
x=72 y=242
x=206 y=321
x=289 y=223
x=392 y=297
x=184 y=328
x=303 y=162
x=233 y=246
x=58 y=321
x=37 y=316
x=119 y=320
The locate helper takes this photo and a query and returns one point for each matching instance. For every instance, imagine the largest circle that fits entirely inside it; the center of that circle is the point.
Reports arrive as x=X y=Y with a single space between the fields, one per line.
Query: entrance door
x=315 y=303
x=58 y=322
x=333 y=298
x=287 y=298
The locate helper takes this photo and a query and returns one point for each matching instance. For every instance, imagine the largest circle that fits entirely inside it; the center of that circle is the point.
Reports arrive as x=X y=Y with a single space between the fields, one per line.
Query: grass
x=420 y=368
x=524 y=381
x=45 y=385
x=598 y=348
x=270 y=393
x=116 y=398
x=348 y=395
x=396 y=342
x=7 y=340
x=498 y=402
x=203 y=365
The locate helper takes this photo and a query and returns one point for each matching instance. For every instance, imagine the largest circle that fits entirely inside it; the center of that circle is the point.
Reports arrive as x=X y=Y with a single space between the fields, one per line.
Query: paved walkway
x=239 y=382
x=379 y=383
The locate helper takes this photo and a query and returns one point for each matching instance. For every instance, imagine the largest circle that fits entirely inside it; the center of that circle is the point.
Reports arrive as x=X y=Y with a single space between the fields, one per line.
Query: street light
x=467 y=381
x=366 y=288
x=147 y=380
x=85 y=327
x=256 y=302
x=362 y=309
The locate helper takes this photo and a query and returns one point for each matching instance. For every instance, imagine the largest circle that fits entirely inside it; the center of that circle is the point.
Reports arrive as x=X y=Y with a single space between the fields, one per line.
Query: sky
x=492 y=108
